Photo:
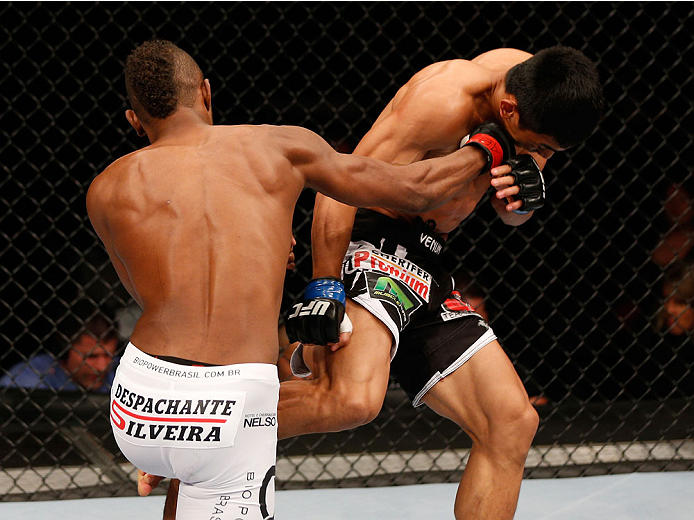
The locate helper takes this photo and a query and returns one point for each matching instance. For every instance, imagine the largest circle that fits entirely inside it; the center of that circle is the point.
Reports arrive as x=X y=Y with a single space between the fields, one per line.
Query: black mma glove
x=528 y=177
x=321 y=317
x=494 y=141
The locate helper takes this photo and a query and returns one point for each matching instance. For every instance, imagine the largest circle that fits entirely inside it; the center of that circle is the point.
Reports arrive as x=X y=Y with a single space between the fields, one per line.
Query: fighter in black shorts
x=393 y=270
x=398 y=297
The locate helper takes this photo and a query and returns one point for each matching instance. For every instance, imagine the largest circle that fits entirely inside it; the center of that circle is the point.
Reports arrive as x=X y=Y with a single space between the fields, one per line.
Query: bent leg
x=348 y=386
x=486 y=398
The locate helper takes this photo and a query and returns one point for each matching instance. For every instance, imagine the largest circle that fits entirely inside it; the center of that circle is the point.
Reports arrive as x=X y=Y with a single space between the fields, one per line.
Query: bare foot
x=146 y=482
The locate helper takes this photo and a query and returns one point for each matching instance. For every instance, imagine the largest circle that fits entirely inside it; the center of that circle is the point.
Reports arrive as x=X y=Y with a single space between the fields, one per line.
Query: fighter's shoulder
x=288 y=137
x=277 y=134
x=501 y=60
x=113 y=174
x=444 y=87
x=452 y=77
x=447 y=73
x=119 y=167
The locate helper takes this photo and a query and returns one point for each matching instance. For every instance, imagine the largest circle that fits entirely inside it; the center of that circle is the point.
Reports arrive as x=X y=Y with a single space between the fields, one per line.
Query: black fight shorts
x=392 y=269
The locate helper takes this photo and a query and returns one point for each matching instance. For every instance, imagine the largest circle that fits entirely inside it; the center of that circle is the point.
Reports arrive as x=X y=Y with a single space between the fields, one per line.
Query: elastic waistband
x=133 y=357
x=185 y=362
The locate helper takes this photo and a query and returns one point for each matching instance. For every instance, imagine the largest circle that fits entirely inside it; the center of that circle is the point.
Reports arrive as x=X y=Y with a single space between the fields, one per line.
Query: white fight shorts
x=212 y=427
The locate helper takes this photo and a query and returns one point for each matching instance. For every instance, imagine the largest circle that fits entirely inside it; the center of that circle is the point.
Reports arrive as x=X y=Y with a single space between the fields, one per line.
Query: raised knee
x=522 y=420
x=361 y=408
x=356 y=406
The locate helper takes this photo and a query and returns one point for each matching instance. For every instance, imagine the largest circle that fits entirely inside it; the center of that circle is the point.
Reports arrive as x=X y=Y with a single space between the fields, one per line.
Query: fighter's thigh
x=485 y=389
x=365 y=359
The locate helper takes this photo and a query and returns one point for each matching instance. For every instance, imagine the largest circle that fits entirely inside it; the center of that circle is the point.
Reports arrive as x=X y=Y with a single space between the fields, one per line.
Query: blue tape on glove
x=330 y=288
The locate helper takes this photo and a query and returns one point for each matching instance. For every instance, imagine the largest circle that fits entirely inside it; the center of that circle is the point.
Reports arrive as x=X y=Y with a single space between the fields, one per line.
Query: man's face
x=678 y=205
x=679 y=315
x=89 y=360
x=532 y=142
x=526 y=140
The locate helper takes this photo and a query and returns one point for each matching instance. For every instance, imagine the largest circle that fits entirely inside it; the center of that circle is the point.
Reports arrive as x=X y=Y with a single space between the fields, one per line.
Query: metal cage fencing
x=583 y=297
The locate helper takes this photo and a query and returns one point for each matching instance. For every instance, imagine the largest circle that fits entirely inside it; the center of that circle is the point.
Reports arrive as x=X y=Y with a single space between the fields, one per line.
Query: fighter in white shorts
x=214 y=427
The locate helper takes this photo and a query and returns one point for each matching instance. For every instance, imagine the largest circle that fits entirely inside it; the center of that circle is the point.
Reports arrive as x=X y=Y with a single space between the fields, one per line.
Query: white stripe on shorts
x=483 y=340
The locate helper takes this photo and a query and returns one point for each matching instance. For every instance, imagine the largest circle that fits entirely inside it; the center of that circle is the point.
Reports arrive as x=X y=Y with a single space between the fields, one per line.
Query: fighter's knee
x=341 y=406
x=356 y=405
x=362 y=411
x=512 y=433
x=527 y=422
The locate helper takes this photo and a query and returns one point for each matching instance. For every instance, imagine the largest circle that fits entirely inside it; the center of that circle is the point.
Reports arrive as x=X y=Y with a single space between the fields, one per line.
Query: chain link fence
x=583 y=297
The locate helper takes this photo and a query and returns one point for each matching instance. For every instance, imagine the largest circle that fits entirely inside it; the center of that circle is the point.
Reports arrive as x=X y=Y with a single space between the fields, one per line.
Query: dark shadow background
x=571 y=294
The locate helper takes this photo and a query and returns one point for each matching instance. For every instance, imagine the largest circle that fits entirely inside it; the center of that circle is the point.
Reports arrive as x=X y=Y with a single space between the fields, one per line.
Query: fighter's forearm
x=330 y=234
x=442 y=178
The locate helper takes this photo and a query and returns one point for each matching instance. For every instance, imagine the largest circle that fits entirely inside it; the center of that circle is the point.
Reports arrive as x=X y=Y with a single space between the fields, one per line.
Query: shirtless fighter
x=399 y=298
x=198 y=225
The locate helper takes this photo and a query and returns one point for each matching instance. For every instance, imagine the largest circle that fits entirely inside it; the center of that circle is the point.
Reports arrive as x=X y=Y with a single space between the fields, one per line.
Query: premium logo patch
x=394 y=267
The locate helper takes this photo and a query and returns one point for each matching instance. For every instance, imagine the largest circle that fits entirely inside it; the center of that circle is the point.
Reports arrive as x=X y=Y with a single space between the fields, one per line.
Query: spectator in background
x=87 y=364
x=675 y=243
x=676 y=317
x=670 y=369
x=678 y=241
x=656 y=356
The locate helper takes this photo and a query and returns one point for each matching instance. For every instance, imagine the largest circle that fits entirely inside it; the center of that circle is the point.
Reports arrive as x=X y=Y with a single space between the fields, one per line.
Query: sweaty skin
x=198 y=226
x=428 y=117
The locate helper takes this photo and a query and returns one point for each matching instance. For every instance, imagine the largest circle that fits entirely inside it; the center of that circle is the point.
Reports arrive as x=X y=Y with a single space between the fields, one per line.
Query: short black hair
x=558 y=93
x=159 y=76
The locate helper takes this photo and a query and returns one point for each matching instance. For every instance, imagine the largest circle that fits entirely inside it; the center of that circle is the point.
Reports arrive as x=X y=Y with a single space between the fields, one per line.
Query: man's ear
x=508 y=109
x=132 y=118
x=207 y=96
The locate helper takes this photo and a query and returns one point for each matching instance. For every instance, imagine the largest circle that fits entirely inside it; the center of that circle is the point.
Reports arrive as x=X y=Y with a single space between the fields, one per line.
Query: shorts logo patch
x=389 y=289
x=455 y=303
x=393 y=267
x=454 y=307
x=153 y=418
x=260 y=420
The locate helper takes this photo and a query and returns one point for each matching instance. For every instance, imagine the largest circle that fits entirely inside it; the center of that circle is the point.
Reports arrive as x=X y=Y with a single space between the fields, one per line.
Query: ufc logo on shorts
x=313 y=308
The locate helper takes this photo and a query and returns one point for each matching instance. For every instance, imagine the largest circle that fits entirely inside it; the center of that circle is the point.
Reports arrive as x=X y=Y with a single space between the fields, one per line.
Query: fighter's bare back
x=194 y=215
